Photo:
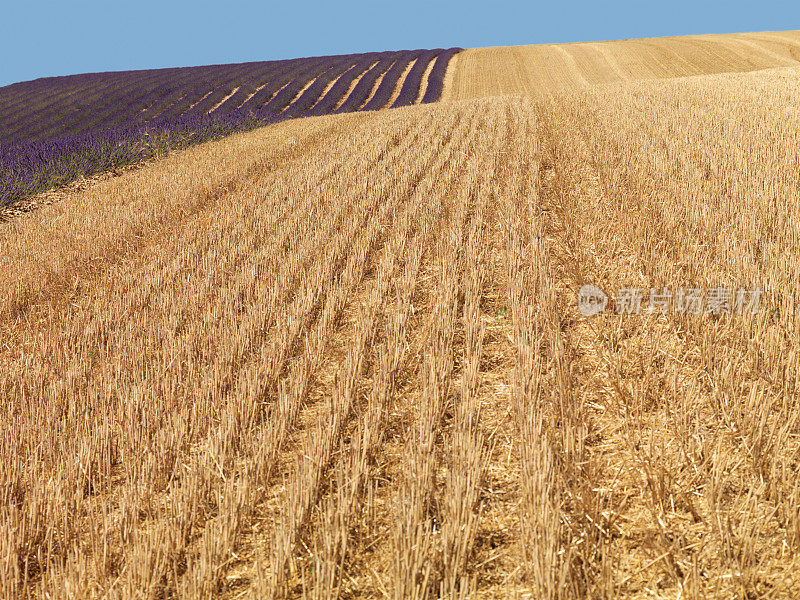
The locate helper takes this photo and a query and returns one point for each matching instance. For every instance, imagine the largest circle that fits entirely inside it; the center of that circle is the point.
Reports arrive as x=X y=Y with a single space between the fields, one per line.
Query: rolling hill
x=547 y=68
x=343 y=356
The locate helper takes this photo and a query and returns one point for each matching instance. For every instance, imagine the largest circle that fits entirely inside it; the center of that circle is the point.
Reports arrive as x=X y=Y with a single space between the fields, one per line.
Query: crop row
x=61 y=107
x=56 y=129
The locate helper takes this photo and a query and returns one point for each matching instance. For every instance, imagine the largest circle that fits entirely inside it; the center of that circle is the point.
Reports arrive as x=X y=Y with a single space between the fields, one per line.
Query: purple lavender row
x=284 y=78
x=278 y=78
x=365 y=85
x=20 y=96
x=410 y=91
x=221 y=88
x=34 y=124
x=112 y=110
x=184 y=92
x=342 y=85
x=312 y=94
x=64 y=115
x=190 y=89
x=433 y=91
x=247 y=89
x=21 y=102
x=159 y=98
x=175 y=91
x=26 y=123
x=385 y=90
x=209 y=80
x=284 y=96
x=75 y=114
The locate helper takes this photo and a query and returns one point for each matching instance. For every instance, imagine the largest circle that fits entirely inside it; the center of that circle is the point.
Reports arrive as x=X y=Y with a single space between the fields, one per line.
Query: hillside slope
x=57 y=129
x=341 y=357
x=547 y=68
x=57 y=107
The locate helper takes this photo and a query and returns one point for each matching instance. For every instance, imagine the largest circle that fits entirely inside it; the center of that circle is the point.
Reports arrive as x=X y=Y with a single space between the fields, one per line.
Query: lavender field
x=54 y=130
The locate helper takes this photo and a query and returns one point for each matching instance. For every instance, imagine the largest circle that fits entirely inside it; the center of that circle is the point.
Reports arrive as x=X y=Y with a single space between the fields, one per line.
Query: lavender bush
x=410 y=90
x=365 y=85
x=433 y=91
x=385 y=90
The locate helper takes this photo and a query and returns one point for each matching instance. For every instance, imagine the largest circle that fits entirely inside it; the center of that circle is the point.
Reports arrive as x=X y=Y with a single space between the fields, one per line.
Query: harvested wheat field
x=550 y=68
x=342 y=357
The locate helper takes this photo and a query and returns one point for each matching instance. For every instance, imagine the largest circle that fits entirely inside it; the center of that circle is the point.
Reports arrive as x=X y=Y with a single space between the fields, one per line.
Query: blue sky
x=38 y=38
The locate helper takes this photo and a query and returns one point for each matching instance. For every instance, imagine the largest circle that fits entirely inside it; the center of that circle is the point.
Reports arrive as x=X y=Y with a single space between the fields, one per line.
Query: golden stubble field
x=544 y=69
x=341 y=357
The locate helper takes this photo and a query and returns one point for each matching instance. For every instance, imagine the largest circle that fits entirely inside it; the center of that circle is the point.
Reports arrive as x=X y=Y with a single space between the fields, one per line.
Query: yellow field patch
x=544 y=69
